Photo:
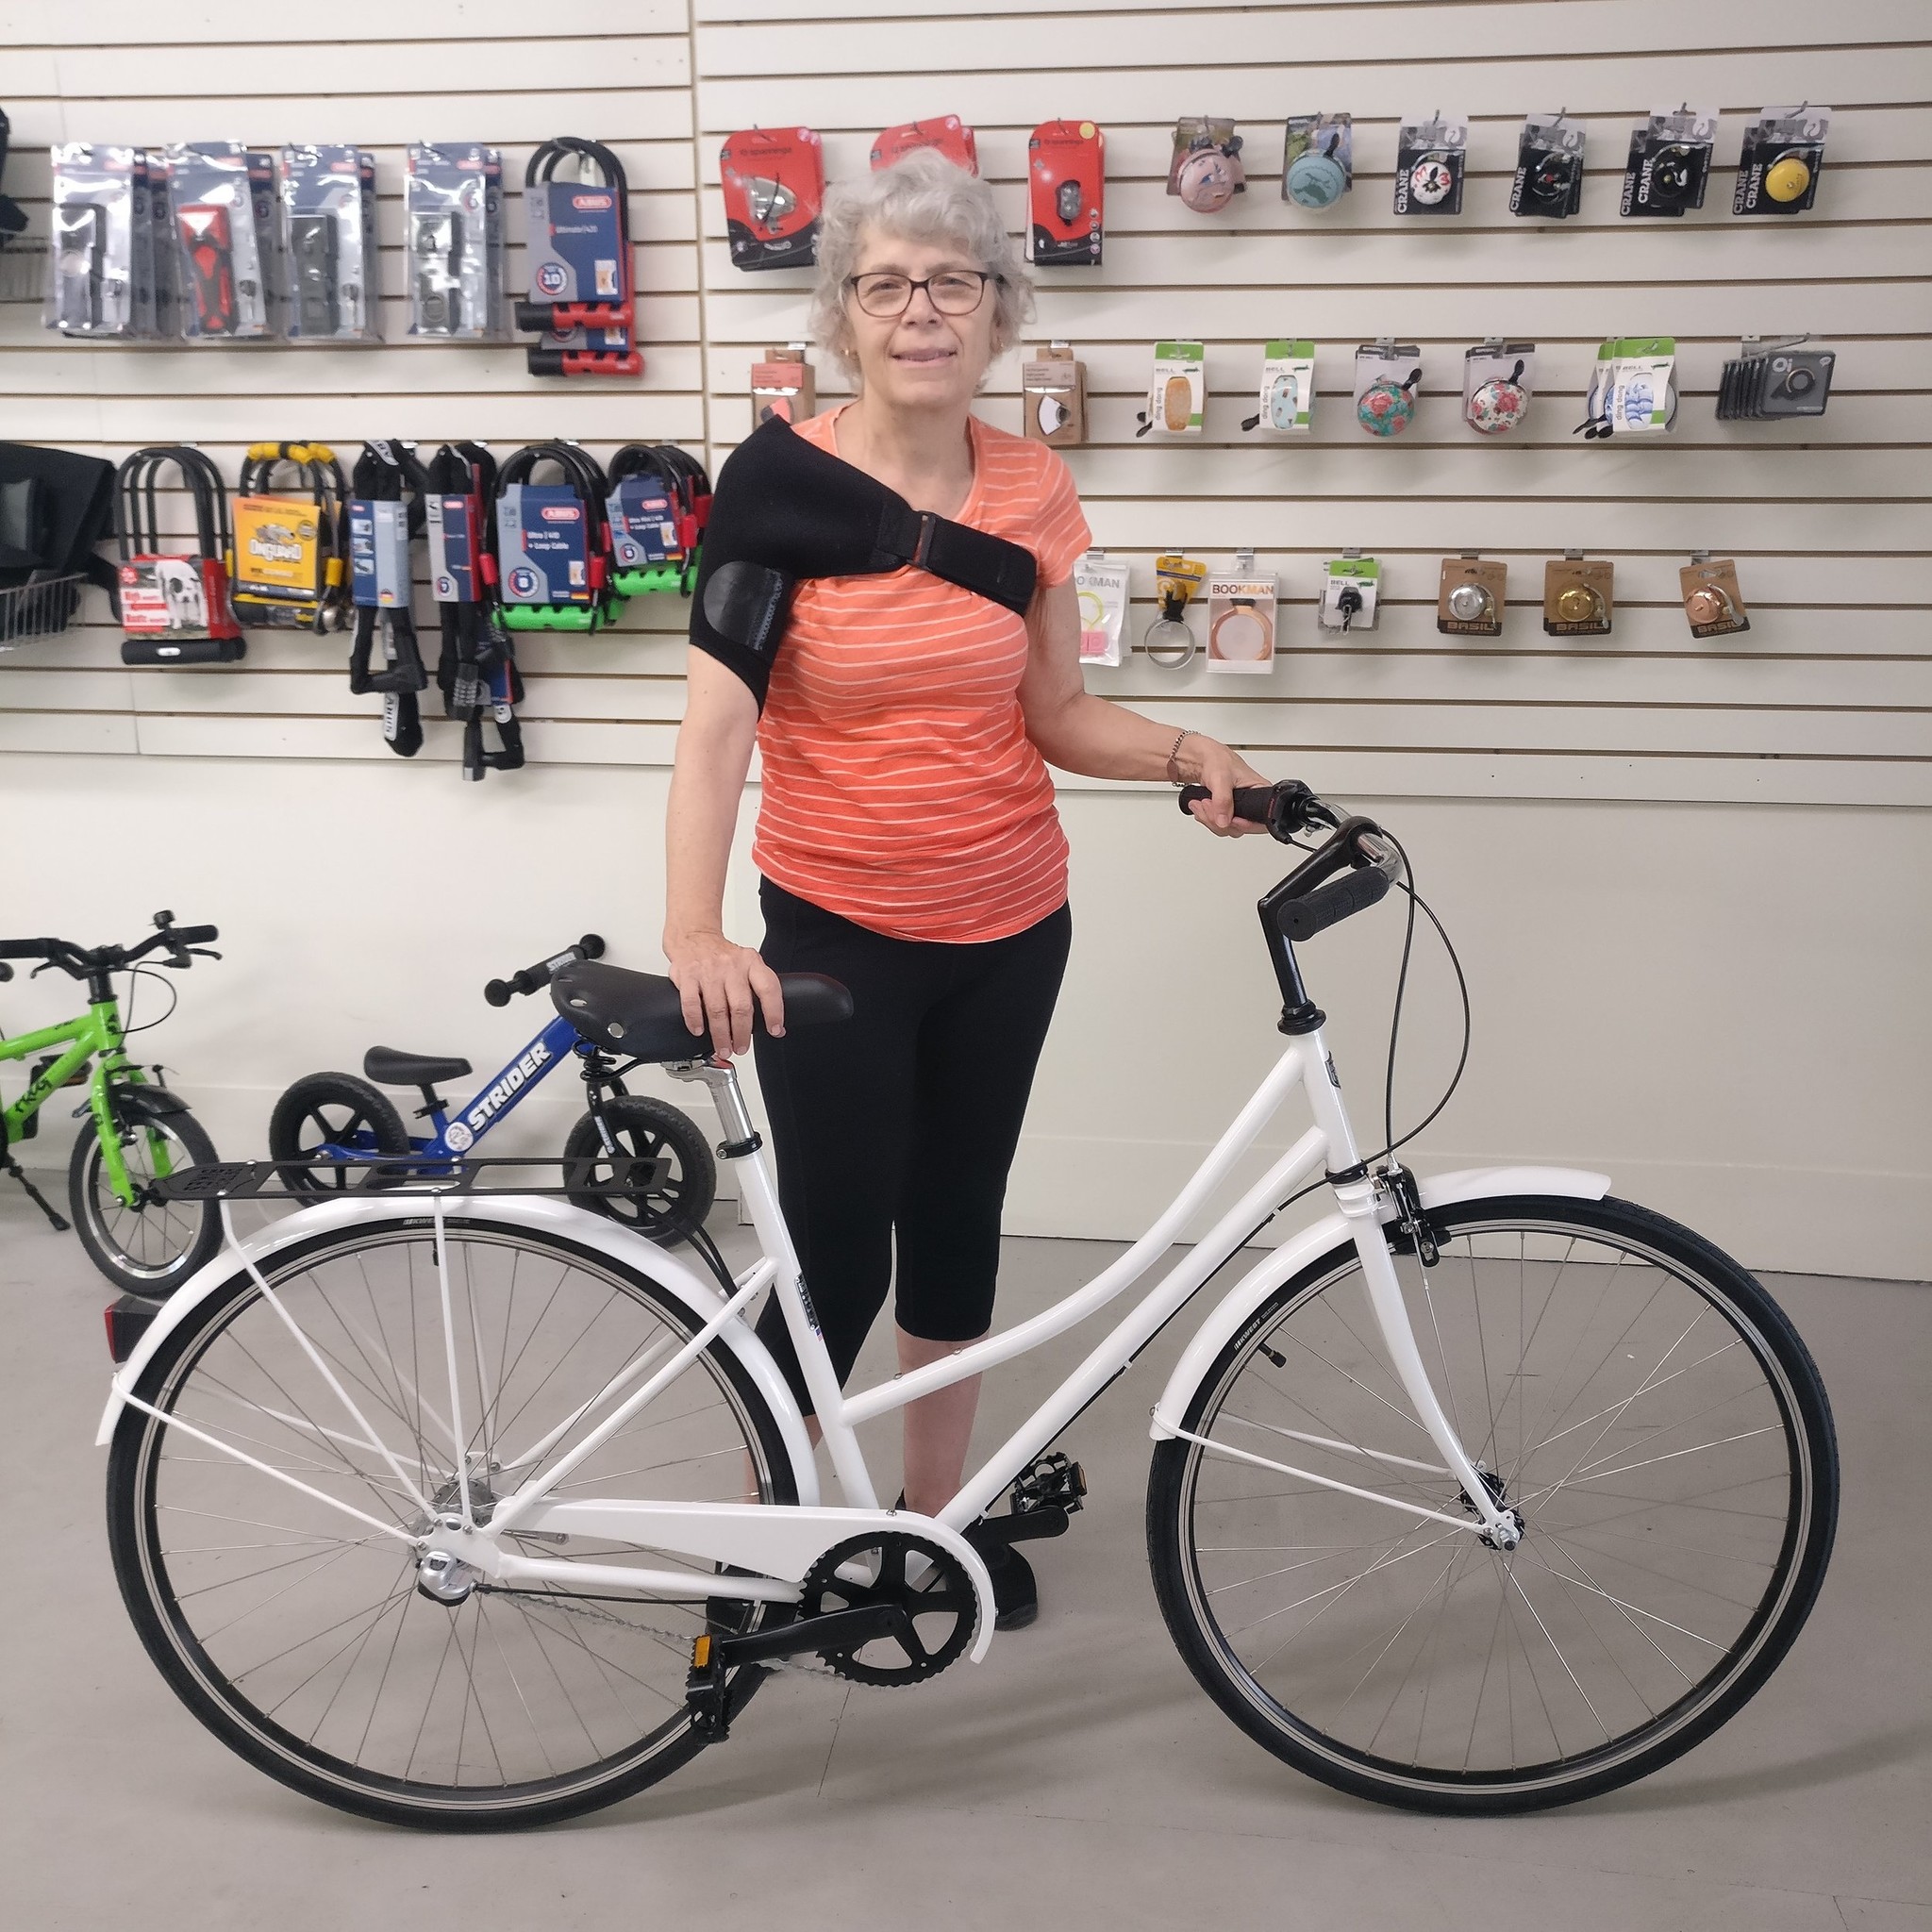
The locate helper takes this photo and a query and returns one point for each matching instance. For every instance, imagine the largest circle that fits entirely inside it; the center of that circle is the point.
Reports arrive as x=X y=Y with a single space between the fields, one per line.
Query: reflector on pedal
x=701 y=1653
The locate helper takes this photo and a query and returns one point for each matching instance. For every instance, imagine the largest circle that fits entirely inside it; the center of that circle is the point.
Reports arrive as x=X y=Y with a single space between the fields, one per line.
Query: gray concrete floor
x=1075 y=1778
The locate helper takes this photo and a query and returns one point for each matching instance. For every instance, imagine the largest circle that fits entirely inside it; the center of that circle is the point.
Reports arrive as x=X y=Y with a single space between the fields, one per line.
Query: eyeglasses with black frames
x=952 y=291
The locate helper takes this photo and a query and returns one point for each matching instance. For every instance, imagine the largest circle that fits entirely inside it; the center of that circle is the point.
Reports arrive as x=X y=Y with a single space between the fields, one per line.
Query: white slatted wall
x=1596 y=818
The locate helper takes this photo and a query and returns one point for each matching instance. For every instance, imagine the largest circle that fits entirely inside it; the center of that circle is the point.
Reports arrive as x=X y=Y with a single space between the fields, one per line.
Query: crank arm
x=836 y=1630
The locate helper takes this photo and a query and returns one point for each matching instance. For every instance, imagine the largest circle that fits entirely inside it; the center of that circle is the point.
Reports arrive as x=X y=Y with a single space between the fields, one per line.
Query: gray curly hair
x=922 y=197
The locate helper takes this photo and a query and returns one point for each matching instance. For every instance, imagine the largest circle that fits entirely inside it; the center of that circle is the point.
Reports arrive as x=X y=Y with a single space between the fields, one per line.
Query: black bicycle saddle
x=642 y=1014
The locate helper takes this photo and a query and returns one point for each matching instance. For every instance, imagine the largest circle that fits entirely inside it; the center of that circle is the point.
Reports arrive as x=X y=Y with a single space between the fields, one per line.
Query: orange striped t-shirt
x=900 y=790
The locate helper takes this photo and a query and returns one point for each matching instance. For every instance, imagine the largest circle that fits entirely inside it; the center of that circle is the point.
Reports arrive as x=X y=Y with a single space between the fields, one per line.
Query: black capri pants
x=900 y=1126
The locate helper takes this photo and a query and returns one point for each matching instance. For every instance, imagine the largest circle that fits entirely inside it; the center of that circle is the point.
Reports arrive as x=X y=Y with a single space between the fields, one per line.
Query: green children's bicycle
x=142 y=1132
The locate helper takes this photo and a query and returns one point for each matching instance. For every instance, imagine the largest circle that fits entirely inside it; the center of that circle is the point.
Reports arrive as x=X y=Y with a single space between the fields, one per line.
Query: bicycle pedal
x=1054 y=1481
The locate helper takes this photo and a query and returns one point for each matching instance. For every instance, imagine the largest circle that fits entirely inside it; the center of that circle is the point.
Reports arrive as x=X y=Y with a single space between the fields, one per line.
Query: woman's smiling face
x=919 y=358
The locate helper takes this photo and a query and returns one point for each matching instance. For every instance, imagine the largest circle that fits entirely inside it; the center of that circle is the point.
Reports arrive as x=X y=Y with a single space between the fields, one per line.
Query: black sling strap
x=785 y=510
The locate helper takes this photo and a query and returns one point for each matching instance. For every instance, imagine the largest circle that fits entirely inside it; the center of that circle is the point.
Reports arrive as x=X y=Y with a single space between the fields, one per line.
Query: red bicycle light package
x=1066 y=182
x=948 y=134
x=775 y=186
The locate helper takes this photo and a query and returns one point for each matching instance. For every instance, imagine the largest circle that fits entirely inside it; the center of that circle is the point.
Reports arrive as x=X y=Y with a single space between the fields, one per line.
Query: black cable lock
x=477 y=670
x=386 y=516
x=174 y=597
x=543 y=585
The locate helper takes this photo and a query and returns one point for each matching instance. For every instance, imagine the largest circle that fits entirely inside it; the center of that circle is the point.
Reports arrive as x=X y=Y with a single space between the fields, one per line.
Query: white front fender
x=539 y=1213
x=1332 y=1230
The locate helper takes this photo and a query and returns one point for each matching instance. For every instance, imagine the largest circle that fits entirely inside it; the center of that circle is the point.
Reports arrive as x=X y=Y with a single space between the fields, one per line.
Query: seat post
x=432 y=1102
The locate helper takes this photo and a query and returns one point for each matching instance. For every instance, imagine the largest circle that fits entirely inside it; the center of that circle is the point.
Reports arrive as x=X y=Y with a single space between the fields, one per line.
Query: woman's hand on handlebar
x=1208 y=761
x=724 y=988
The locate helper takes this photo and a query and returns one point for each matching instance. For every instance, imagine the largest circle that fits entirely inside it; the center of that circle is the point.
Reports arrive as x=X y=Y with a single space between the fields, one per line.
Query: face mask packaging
x=1784 y=151
x=1066 y=181
x=1240 y=619
x=782 y=386
x=947 y=133
x=326 y=199
x=1578 y=601
x=1287 y=390
x=1767 y=380
x=1633 y=391
x=1387 y=377
x=453 y=244
x=1205 y=170
x=1053 y=396
x=222 y=200
x=1430 y=156
x=1712 y=601
x=1318 y=159
x=1496 y=379
x=775 y=187
x=91 y=265
x=1549 y=170
x=1102 y=589
x=1669 y=161
x=1351 y=589
x=1469 y=601
x=1177 y=392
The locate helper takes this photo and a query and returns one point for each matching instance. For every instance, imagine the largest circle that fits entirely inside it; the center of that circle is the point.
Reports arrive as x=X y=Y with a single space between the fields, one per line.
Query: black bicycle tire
x=82 y=1201
x=1214 y=1671
x=324 y=1090
x=130 y=1513
x=698 y=1169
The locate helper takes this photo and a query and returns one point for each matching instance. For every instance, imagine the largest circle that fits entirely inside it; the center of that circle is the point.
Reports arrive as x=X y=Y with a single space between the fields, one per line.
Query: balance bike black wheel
x=646 y=1130
x=332 y=1109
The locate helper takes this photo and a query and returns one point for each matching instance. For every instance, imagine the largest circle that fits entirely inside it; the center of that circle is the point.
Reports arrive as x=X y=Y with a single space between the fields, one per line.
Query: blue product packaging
x=378 y=553
x=542 y=546
x=644 y=523
x=452 y=530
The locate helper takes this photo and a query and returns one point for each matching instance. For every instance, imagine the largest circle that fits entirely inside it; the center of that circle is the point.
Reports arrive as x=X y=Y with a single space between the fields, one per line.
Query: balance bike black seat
x=642 y=1015
x=388 y=1066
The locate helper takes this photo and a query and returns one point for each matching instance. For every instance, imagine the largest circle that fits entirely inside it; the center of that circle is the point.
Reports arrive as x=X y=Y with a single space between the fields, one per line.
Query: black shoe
x=1015 y=1594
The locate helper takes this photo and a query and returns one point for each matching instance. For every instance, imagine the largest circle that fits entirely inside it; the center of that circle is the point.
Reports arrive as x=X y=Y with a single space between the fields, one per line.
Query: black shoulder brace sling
x=785 y=510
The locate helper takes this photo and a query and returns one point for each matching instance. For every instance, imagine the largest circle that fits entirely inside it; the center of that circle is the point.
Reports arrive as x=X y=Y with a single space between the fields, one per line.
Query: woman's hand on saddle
x=724 y=987
x=1208 y=761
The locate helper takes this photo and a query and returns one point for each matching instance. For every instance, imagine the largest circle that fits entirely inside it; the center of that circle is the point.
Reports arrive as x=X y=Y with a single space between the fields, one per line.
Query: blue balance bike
x=327 y=1117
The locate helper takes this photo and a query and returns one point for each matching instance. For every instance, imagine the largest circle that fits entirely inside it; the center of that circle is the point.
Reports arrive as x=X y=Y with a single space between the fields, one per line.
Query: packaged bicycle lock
x=582 y=294
x=226 y=265
x=325 y=199
x=478 y=669
x=175 y=607
x=91 y=265
x=660 y=500
x=386 y=516
x=453 y=208
x=288 y=540
x=553 y=541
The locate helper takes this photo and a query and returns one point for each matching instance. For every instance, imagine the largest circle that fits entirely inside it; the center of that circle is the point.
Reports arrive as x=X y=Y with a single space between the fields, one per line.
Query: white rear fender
x=1332 y=1230
x=539 y=1213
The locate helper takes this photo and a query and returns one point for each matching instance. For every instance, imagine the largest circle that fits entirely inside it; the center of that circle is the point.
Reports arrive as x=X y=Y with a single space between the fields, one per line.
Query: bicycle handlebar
x=1310 y=899
x=499 y=992
x=77 y=961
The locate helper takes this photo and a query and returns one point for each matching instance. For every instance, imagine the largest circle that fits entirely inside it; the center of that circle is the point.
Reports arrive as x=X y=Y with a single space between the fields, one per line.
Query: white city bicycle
x=469 y=1510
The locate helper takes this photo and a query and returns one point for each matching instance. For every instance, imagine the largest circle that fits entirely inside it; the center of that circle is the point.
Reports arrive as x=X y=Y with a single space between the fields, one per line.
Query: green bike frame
x=97 y=1037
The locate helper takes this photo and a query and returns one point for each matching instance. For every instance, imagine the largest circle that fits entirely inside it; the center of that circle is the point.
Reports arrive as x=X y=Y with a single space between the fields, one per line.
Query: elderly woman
x=908 y=839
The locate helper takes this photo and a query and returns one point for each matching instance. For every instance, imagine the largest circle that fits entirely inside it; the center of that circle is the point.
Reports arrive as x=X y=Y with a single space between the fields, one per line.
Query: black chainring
x=945 y=1590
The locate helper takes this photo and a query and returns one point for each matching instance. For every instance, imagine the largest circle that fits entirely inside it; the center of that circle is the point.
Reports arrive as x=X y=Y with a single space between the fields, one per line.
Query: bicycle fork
x=1355 y=1194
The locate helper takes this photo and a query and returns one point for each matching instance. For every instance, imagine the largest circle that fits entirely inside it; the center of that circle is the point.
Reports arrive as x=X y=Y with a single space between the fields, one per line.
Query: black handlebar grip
x=1251 y=802
x=5 y=972
x=196 y=934
x=27 y=949
x=499 y=992
x=1329 y=904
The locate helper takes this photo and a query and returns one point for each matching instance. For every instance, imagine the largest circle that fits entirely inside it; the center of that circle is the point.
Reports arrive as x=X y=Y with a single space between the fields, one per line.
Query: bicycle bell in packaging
x=1469 y=599
x=1205 y=171
x=1388 y=375
x=1287 y=390
x=1496 y=381
x=1351 y=589
x=1577 y=595
x=1712 y=601
x=1177 y=390
x=1548 y=185
x=1431 y=153
x=1668 y=163
x=1318 y=159
x=1784 y=151
x=1633 y=389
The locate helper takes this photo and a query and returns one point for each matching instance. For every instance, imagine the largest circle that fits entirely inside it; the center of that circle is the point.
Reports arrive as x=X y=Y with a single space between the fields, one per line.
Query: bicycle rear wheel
x=1631 y=1391
x=296 y=1632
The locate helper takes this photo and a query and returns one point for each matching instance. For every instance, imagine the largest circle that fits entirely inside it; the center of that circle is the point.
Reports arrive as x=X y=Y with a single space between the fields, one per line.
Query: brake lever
x=204 y=953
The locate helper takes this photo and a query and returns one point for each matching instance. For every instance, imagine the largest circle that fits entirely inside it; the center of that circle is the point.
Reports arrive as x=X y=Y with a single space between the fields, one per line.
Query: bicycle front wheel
x=1633 y=1393
x=153 y=1246
x=295 y=1630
